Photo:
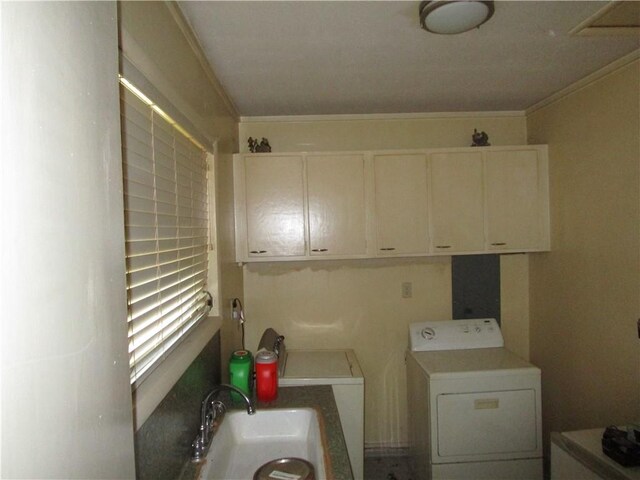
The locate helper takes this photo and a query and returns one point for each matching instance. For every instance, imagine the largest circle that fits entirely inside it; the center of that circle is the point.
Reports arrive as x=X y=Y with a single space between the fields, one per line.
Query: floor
x=387 y=468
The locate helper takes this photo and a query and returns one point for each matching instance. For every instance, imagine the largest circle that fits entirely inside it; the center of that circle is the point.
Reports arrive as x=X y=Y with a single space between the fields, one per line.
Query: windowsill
x=155 y=387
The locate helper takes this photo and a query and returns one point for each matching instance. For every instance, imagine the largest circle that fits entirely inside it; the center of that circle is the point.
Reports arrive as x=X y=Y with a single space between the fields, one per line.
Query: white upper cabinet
x=401 y=199
x=337 y=205
x=516 y=199
x=458 y=201
x=273 y=210
x=456 y=207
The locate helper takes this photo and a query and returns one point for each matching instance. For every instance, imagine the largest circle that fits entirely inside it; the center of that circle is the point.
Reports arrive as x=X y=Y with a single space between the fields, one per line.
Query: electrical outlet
x=407 y=290
x=235 y=314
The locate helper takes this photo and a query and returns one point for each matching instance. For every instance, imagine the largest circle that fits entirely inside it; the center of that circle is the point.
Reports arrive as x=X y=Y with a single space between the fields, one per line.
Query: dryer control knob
x=428 y=333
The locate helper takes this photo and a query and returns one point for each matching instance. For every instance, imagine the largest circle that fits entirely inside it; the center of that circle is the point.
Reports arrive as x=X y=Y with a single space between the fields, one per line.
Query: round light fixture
x=451 y=17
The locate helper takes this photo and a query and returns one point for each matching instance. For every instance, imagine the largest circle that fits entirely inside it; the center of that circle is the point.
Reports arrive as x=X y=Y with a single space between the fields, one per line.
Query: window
x=166 y=231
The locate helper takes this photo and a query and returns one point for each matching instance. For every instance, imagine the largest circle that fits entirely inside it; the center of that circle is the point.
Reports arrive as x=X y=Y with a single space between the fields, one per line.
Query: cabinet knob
x=443 y=246
x=258 y=251
x=319 y=249
x=387 y=249
x=499 y=244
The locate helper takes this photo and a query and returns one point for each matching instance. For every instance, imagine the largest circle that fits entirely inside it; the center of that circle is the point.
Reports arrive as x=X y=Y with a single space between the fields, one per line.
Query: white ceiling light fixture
x=451 y=17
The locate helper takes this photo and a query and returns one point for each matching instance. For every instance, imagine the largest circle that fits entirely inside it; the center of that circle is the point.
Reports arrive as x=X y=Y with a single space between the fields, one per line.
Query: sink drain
x=285 y=469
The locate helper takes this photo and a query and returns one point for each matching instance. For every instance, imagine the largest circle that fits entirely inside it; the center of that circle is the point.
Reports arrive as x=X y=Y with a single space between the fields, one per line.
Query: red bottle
x=266 y=376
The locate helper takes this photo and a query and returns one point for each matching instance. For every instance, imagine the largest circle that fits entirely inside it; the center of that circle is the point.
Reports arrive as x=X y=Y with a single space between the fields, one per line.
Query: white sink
x=245 y=442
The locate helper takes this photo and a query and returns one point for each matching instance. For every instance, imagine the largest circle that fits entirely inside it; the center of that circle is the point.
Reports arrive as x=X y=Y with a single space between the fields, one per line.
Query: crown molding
x=194 y=43
x=586 y=81
x=588 y=28
x=378 y=116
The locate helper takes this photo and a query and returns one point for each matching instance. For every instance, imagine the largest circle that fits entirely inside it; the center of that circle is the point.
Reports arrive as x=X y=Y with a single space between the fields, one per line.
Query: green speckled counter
x=320 y=398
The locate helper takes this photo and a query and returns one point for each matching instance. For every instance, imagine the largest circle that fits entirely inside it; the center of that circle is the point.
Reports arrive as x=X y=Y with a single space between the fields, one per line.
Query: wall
x=160 y=55
x=66 y=400
x=358 y=304
x=585 y=293
x=371 y=132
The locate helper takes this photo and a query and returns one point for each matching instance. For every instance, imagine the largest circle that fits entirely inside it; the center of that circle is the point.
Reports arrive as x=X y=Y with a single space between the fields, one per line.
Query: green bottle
x=241 y=372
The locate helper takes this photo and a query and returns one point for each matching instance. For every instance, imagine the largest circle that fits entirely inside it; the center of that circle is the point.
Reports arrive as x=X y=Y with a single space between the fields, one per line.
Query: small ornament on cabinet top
x=480 y=139
x=262 y=147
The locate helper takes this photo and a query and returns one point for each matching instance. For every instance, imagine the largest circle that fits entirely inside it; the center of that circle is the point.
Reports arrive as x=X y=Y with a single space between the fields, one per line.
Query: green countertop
x=320 y=398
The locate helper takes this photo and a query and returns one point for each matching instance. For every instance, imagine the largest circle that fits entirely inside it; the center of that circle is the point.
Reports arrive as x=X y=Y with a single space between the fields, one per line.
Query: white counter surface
x=586 y=447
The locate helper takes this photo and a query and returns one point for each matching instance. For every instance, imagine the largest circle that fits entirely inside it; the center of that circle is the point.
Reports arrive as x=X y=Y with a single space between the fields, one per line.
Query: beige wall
x=66 y=397
x=514 y=303
x=382 y=132
x=358 y=304
x=585 y=293
x=158 y=52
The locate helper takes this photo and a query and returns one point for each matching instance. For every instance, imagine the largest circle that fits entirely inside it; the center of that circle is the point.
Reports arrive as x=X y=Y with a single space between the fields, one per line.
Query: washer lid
x=317 y=364
x=455 y=335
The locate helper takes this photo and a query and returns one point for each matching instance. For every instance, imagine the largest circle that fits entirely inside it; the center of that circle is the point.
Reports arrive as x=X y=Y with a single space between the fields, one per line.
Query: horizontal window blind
x=166 y=232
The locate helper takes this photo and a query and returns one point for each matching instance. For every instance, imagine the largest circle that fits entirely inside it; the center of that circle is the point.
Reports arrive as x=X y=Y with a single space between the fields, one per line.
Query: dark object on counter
x=480 y=139
x=617 y=445
x=262 y=147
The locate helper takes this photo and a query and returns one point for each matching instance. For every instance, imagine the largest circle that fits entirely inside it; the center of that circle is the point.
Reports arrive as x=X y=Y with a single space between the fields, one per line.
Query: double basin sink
x=244 y=443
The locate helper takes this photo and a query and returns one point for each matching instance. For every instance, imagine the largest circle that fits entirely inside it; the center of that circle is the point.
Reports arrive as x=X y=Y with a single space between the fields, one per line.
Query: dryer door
x=486 y=424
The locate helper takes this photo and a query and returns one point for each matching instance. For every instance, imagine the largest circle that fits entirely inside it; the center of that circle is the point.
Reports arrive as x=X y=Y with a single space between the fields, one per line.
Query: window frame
x=185 y=348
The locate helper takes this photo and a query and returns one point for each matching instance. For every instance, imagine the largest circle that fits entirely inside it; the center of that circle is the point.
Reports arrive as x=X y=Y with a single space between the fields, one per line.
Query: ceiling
x=350 y=57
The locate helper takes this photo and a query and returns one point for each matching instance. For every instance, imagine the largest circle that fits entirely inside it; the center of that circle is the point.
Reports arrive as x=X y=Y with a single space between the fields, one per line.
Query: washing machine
x=474 y=407
x=338 y=368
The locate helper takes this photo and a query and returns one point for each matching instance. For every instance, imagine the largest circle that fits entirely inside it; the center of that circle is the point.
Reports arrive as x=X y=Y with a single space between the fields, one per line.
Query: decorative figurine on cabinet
x=480 y=139
x=262 y=147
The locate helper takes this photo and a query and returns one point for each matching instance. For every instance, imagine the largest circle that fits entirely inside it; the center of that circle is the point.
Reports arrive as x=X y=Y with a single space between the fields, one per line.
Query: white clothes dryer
x=474 y=406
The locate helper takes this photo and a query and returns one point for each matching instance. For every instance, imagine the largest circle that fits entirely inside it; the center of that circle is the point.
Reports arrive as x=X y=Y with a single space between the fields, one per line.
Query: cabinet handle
x=443 y=246
x=258 y=251
x=387 y=249
x=499 y=244
x=318 y=249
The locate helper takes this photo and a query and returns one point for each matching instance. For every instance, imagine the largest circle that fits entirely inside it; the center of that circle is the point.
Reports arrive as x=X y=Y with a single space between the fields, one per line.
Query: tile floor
x=387 y=468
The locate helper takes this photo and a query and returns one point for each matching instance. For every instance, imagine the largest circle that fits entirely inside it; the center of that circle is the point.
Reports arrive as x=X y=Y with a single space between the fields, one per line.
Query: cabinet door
x=336 y=199
x=401 y=204
x=513 y=202
x=274 y=192
x=457 y=212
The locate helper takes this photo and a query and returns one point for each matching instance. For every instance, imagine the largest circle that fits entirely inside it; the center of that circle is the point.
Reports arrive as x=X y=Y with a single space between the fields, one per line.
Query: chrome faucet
x=211 y=416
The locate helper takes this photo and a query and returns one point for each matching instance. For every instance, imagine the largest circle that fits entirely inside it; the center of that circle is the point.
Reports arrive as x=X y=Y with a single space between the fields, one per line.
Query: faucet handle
x=198 y=448
x=218 y=410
